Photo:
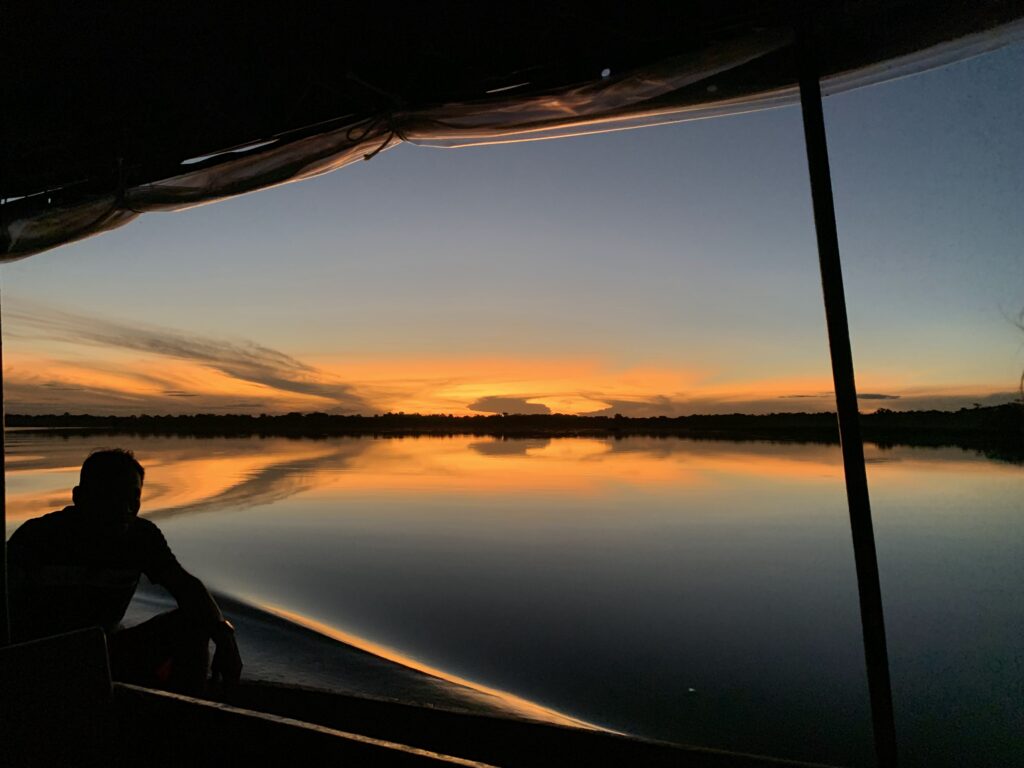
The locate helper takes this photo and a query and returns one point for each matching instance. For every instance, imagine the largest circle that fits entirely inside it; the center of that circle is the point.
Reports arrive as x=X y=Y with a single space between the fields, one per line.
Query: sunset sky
x=668 y=270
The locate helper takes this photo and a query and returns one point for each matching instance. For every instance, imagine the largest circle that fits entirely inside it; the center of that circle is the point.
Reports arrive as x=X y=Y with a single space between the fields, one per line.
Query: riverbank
x=997 y=430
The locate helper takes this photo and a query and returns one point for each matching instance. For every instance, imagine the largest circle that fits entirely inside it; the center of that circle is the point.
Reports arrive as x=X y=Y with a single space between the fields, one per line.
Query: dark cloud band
x=519 y=405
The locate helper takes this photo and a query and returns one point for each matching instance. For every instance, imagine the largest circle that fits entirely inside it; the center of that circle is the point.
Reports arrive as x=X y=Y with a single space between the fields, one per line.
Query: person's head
x=110 y=487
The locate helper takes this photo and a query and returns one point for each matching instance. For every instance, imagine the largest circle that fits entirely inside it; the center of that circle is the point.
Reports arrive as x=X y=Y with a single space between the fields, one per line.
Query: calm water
x=696 y=591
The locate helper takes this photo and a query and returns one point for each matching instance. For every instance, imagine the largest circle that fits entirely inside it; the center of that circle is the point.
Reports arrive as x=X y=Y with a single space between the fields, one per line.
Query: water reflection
x=506 y=447
x=194 y=475
x=698 y=591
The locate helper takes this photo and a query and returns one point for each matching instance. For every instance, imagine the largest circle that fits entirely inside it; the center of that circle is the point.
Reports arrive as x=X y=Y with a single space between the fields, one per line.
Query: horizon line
x=489 y=415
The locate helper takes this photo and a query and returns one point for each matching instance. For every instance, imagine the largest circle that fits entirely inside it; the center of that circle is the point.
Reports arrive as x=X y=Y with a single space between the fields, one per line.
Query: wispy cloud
x=27 y=393
x=922 y=400
x=860 y=396
x=662 y=405
x=659 y=405
x=240 y=360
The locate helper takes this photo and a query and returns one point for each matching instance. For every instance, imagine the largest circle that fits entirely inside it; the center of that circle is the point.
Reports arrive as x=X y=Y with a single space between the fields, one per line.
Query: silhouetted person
x=79 y=567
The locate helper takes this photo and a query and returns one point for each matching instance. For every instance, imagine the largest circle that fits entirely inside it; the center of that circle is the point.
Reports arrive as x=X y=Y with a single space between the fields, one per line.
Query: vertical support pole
x=868 y=586
x=5 y=625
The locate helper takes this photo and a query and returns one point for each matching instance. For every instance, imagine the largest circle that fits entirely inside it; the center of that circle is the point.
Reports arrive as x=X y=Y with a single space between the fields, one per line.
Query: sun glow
x=220 y=377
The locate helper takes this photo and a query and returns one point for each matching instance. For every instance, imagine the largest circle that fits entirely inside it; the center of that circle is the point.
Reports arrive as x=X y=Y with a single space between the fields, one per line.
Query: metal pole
x=5 y=626
x=869 y=589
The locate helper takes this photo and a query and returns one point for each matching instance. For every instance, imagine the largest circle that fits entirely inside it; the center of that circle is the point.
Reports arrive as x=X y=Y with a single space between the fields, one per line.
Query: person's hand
x=227 y=662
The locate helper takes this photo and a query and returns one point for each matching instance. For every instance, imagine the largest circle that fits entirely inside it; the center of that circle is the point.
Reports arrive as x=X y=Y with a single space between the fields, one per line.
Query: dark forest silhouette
x=997 y=430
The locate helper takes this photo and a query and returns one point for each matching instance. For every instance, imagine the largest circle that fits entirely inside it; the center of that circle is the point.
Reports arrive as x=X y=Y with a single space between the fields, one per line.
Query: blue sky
x=664 y=270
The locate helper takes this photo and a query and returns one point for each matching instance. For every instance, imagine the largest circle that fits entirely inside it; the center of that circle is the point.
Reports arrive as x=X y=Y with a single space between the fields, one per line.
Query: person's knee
x=170 y=650
x=194 y=630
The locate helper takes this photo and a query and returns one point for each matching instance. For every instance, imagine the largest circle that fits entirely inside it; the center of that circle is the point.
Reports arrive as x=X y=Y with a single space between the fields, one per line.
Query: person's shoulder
x=45 y=524
x=40 y=530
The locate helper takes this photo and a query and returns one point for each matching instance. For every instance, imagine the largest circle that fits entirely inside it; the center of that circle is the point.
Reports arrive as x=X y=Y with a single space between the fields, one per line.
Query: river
x=694 y=591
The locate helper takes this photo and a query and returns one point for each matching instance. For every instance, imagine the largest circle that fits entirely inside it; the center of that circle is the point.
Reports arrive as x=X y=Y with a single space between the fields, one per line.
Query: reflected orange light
x=577 y=466
x=188 y=480
x=189 y=476
x=177 y=477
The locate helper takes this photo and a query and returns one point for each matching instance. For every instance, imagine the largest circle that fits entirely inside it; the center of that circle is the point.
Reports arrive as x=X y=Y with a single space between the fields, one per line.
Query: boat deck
x=60 y=708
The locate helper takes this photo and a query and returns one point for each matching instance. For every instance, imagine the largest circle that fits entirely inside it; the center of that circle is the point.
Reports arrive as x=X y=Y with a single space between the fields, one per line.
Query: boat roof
x=127 y=107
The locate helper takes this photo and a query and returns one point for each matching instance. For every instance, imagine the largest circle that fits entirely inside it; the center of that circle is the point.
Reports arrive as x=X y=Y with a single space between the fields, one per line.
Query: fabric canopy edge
x=30 y=226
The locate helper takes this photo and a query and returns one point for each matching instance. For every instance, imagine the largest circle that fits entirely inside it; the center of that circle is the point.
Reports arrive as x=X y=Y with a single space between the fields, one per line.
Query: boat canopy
x=122 y=108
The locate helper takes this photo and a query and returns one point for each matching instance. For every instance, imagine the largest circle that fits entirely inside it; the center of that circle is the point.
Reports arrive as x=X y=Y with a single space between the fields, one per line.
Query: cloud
x=244 y=361
x=682 y=405
x=495 y=404
x=952 y=401
x=663 y=405
x=860 y=396
x=660 y=405
x=28 y=393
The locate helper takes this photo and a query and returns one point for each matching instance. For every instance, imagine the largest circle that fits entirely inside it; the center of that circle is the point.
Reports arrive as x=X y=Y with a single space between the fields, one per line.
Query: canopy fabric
x=678 y=62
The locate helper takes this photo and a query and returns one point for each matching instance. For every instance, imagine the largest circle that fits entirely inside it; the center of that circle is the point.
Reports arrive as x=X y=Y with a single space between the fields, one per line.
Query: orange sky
x=54 y=377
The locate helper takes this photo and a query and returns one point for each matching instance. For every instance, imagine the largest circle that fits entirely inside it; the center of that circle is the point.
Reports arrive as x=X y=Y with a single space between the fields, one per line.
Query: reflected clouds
x=192 y=475
x=270 y=483
x=183 y=475
x=509 y=447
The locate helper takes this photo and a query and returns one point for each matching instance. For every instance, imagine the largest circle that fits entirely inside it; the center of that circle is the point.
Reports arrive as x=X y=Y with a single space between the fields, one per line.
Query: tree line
x=997 y=428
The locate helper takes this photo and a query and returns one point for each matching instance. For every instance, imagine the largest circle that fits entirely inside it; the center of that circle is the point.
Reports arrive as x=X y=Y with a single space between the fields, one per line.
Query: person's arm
x=195 y=600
